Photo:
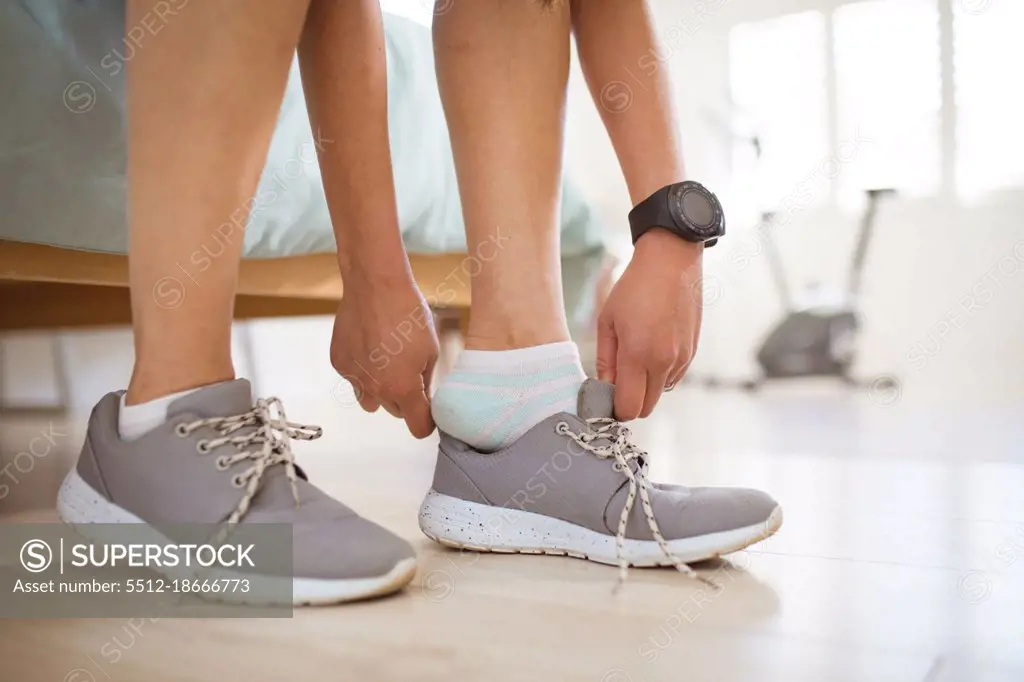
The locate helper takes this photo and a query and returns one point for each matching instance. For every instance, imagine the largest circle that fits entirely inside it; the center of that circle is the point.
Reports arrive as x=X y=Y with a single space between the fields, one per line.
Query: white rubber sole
x=484 y=528
x=79 y=505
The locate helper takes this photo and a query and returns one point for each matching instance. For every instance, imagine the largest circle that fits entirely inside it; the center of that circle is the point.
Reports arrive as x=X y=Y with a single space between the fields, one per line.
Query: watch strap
x=652 y=212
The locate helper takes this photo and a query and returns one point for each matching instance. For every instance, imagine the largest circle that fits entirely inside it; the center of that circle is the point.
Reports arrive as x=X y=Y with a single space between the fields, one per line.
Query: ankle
x=146 y=386
x=483 y=336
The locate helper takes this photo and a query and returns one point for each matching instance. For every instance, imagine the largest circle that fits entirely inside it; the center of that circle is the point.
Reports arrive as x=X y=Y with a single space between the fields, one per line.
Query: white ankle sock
x=491 y=398
x=135 y=421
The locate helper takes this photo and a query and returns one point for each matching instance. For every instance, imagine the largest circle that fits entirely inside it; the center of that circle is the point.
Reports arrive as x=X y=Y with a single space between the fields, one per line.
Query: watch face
x=697 y=209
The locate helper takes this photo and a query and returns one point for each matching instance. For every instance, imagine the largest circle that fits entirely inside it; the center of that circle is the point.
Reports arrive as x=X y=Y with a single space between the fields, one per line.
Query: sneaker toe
x=346 y=548
x=691 y=512
x=715 y=510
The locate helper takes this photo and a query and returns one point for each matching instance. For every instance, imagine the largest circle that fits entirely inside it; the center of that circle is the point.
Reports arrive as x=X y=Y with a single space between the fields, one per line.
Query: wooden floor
x=901 y=560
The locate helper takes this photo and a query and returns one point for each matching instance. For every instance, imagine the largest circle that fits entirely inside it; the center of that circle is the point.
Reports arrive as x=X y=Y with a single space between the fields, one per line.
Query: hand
x=648 y=330
x=384 y=343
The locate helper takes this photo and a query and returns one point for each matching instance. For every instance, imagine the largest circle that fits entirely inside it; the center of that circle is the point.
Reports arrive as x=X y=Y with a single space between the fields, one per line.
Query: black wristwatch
x=687 y=209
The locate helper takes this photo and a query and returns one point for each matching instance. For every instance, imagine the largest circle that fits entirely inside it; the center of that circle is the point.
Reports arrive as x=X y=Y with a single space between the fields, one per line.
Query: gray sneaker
x=219 y=459
x=569 y=486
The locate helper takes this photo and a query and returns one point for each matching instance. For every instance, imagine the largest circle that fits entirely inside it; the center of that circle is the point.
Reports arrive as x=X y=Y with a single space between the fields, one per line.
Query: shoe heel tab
x=449 y=445
x=107 y=412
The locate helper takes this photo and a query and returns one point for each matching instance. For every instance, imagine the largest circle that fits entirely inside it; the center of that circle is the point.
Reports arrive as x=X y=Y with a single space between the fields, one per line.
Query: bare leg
x=203 y=97
x=502 y=69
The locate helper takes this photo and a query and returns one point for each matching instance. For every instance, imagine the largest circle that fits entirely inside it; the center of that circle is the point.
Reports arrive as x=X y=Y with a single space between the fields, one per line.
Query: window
x=777 y=80
x=889 y=94
x=988 y=52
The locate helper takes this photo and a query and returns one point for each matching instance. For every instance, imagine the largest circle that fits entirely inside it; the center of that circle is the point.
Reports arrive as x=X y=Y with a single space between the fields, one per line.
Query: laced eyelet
x=222 y=464
x=181 y=430
x=203 y=447
x=562 y=428
x=237 y=481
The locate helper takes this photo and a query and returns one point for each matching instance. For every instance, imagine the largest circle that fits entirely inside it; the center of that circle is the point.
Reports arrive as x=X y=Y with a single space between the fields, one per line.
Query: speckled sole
x=485 y=528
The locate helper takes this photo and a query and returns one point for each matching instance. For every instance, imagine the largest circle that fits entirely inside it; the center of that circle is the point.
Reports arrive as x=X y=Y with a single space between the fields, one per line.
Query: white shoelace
x=272 y=431
x=617 y=445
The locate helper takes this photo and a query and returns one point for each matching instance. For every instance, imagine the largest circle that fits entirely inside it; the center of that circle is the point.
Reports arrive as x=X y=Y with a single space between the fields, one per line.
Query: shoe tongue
x=596 y=400
x=226 y=399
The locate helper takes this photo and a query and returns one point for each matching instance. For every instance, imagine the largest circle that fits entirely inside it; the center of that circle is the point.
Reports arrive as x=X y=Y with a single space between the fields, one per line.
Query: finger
x=368 y=402
x=675 y=376
x=391 y=407
x=428 y=376
x=607 y=351
x=630 y=387
x=416 y=409
x=655 y=387
x=679 y=370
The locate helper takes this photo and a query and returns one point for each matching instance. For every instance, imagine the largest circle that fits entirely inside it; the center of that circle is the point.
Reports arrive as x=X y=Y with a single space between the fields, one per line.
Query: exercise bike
x=817 y=339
